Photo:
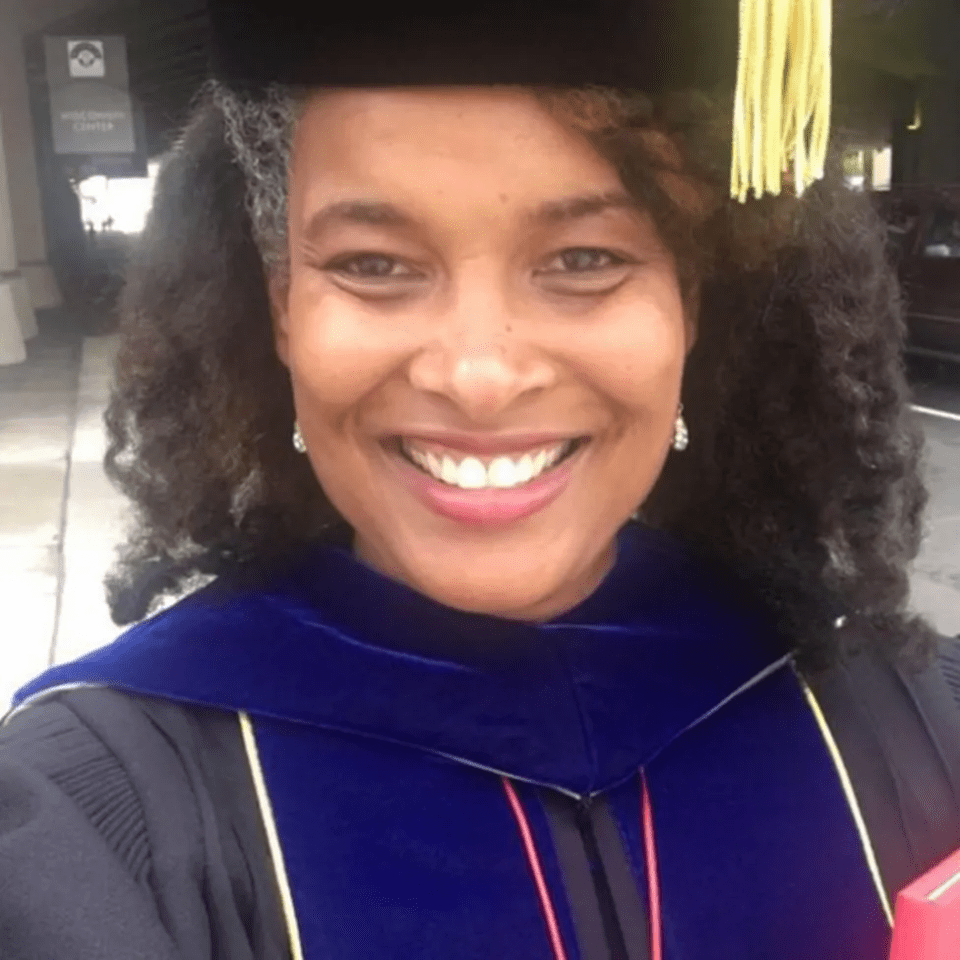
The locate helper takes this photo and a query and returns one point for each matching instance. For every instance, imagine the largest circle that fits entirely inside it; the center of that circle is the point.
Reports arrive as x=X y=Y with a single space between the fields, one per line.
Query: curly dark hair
x=803 y=472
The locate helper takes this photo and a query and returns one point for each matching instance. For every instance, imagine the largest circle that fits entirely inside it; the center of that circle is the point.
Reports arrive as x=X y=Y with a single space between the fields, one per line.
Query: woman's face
x=485 y=338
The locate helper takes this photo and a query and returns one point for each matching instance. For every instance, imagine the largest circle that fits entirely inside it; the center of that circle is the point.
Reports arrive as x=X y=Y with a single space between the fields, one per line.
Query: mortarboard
x=775 y=54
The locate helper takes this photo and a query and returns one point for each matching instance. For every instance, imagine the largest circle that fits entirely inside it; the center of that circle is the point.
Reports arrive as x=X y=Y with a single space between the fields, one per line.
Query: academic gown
x=327 y=764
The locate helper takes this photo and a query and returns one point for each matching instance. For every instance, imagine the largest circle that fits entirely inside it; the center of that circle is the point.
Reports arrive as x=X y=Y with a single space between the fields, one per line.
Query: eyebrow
x=378 y=213
x=584 y=205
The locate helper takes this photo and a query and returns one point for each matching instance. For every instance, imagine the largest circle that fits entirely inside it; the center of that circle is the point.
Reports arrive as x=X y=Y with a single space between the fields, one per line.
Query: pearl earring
x=681 y=436
x=298 y=443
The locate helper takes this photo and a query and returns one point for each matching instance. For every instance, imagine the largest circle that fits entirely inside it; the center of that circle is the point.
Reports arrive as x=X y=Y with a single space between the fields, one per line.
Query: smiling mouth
x=499 y=472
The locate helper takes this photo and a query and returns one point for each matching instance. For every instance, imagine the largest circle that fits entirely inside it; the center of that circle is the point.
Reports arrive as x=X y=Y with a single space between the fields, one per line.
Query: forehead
x=453 y=140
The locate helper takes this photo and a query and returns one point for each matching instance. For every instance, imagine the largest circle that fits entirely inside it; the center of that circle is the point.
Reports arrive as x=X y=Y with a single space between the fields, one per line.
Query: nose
x=483 y=367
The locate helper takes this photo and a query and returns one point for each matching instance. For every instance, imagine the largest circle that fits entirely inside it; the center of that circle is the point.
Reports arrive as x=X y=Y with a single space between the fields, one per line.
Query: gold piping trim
x=944 y=887
x=851 y=796
x=273 y=838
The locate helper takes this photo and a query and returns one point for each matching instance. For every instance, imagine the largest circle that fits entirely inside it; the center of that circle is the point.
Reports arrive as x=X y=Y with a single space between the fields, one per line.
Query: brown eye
x=370 y=266
x=584 y=260
x=586 y=271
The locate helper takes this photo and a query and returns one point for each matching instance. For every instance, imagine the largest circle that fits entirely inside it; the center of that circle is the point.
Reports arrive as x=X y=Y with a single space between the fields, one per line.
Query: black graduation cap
x=565 y=42
x=775 y=53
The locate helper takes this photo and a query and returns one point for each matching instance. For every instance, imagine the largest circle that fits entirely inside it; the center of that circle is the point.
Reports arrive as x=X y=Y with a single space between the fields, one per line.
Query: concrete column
x=20 y=205
x=16 y=315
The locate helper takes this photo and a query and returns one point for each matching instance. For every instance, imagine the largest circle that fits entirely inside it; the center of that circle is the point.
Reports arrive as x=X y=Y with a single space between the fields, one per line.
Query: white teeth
x=471 y=473
x=449 y=472
x=524 y=469
x=502 y=473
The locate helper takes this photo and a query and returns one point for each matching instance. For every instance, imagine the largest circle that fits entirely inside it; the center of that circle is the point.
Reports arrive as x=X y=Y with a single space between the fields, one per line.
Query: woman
x=509 y=652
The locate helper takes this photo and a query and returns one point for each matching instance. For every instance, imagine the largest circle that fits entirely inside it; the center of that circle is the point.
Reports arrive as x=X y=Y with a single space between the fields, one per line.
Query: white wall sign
x=90 y=108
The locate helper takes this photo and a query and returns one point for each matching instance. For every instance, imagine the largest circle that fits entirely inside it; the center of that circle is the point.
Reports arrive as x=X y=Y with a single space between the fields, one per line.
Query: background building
x=49 y=203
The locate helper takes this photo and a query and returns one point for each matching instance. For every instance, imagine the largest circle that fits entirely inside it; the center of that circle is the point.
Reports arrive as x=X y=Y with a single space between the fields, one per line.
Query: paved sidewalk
x=936 y=578
x=59 y=518
x=95 y=514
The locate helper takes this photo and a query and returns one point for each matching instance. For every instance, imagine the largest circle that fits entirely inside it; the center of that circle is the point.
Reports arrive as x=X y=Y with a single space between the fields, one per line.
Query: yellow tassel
x=756 y=90
x=782 y=104
x=824 y=73
x=801 y=107
x=739 y=183
x=774 y=119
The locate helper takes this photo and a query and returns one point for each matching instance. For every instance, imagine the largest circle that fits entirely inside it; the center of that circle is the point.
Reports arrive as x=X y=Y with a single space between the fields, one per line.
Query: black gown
x=130 y=827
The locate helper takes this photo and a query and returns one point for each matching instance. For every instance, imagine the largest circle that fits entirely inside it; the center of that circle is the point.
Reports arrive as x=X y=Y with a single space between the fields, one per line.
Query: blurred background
x=94 y=92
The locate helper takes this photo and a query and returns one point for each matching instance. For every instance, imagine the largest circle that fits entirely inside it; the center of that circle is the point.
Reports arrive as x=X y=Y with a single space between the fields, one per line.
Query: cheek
x=337 y=353
x=640 y=371
x=637 y=354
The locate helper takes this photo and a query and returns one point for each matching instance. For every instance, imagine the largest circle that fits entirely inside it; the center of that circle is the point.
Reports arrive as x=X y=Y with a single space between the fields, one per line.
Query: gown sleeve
x=898 y=730
x=128 y=829
x=950 y=666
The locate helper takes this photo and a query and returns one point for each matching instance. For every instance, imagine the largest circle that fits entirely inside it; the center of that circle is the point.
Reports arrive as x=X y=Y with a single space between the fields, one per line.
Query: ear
x=279 y=289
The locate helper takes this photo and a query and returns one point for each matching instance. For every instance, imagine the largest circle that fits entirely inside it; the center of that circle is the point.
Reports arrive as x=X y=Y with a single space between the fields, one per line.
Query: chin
x=532 y=578
x=496 y=597
x=536 y=592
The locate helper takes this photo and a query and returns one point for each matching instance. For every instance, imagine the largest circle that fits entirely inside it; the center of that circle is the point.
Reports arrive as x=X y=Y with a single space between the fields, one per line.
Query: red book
x=927 y=923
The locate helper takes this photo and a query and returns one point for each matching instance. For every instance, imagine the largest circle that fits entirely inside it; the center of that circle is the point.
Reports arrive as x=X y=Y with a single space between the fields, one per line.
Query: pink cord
x=653 y=876
x=534 y=860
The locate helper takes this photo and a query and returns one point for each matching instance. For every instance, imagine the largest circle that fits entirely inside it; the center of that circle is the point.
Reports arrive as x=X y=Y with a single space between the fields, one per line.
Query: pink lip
x=487 y=508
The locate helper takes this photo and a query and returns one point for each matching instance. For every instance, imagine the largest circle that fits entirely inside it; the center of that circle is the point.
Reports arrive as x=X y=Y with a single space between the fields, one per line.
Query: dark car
x=924 y=243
